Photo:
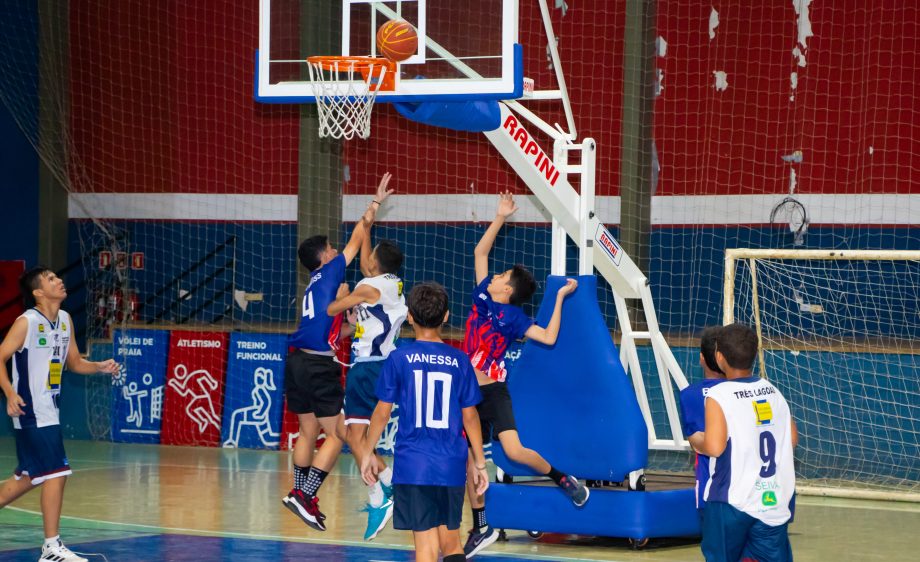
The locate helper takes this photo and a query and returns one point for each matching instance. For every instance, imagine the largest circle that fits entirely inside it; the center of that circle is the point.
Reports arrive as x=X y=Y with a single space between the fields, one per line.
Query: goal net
x=839 y=335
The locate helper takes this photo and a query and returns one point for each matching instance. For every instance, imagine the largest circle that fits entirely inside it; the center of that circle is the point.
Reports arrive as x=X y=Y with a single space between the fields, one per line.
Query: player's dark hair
x=522 y=284
x=428 y=304
x=389 y=256
x=708 y=341
x=738 y=344
x=311 y=250
x=29 y=281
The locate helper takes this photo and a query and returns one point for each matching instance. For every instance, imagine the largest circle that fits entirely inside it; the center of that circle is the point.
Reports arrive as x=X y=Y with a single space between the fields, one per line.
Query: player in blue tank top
x=693 y=405
x=312 y=378
x=436 y=390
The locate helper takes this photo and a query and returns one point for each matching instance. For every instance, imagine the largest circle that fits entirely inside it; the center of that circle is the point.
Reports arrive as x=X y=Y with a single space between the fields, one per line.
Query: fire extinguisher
x=133 y=306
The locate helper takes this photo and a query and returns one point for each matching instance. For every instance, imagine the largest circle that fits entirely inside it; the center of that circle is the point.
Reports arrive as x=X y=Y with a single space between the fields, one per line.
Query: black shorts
x=495 y=412
x=420 y=508
x=313 y=384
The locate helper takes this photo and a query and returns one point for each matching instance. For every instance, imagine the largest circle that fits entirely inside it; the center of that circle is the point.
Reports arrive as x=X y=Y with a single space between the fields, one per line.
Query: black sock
x=479 y=518
x=300 y=477
x=455 y=558
x=314 y=481
x=556 y=476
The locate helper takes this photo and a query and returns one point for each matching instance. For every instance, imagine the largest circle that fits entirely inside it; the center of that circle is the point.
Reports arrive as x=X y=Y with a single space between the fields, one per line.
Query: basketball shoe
x=478 y=540
x=59 y=553
x=377 y=517
x=576 y=491
x=306 y=508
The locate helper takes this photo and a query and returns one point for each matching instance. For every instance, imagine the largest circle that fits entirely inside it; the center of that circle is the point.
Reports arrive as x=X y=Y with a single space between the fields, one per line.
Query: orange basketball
x=397 y=40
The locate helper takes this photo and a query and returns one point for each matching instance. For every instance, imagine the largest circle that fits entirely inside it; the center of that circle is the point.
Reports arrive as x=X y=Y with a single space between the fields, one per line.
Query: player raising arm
x=496 y=320
x=312 y=378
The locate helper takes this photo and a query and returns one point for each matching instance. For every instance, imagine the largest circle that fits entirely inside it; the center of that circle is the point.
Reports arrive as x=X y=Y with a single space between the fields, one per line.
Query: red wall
x=161 y=101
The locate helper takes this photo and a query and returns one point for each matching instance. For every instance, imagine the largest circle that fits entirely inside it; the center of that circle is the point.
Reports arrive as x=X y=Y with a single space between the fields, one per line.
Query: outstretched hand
x=568 y=288
x=382 y=191
x=506 y=206
x=108 y=366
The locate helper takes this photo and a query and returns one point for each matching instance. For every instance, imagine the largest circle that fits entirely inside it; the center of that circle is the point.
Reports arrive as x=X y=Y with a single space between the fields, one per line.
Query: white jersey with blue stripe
x=755 y=473
x=379 y=323
x=38 y=366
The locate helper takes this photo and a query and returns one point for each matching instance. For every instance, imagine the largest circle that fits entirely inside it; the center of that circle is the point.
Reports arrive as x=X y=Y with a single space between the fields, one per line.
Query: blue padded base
x=608 y=513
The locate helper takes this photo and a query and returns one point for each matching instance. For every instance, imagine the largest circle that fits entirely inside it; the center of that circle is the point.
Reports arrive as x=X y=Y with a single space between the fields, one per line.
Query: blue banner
x=137 y=389
x=254 y=391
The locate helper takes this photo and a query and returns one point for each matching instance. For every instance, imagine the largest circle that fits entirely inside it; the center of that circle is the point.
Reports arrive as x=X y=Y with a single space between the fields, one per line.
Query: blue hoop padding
x=608 y=513
x=573 y=402
x=473 y=116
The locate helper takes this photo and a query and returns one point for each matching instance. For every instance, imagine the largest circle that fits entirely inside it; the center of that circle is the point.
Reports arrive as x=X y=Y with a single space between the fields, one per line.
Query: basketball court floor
x=147 y=502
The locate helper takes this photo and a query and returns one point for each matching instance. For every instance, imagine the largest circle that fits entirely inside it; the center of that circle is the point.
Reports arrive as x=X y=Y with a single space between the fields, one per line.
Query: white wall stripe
x=666 y=210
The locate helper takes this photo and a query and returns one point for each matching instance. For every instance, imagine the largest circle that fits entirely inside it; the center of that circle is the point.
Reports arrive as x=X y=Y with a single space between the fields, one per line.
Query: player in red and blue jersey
x=693 y=406
x=436 y=390
x=312 y=378
x=496 y=320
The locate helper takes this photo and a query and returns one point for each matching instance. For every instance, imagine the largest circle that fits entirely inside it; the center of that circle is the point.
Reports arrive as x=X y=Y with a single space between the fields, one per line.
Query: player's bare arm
x=362 y=228
x=715 y=438
x=506 y=208
x=696 y=440
x=379 y=420
x=13 y=342
x=473 y=430
x=362 y=294
x=549 y=334
x=77 y=364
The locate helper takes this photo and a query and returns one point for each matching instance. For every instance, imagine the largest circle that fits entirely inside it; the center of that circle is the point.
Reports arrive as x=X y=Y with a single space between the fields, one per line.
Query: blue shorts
x=361 y=391
x=730 y=535
x=40 y=452
x=420 y=508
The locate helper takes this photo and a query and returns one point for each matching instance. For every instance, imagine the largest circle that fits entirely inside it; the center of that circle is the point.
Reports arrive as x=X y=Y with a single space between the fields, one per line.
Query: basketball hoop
x=345 y=101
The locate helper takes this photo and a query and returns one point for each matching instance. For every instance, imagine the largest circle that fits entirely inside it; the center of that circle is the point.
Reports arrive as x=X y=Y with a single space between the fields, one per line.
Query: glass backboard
x=467 y=48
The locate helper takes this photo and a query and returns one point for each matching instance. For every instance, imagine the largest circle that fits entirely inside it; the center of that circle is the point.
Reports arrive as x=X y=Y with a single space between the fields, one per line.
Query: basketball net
x=345 y=90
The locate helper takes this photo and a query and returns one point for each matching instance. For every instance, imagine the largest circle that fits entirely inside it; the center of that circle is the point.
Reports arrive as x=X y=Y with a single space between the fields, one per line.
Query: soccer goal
x=838 y=334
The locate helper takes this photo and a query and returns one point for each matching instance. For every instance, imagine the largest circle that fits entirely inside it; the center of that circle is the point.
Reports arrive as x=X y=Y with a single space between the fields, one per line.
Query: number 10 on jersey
x=434 y=380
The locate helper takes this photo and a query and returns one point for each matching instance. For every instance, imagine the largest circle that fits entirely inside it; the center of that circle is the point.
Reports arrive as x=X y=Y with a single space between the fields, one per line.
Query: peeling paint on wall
x=661 y=46
x=713 y=23
x=803 y=24
x=721 y=80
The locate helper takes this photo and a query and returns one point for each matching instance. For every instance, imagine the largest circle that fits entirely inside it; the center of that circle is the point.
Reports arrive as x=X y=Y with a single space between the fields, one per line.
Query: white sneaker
x=59 y=553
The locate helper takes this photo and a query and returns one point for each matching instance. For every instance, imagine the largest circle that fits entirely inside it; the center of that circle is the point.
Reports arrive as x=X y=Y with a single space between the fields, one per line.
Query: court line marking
x=280 y=538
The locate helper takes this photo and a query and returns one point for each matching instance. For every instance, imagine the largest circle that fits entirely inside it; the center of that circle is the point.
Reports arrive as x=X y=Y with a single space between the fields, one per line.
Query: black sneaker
x=478 y=540
x=305 y=508
x=575 y=490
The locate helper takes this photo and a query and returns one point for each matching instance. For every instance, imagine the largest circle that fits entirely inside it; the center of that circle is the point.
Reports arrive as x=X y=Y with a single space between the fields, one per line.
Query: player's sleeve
x=517 y=324
x=388 y=383
x=480 y=296
x=469 y=387
x=689 y=413
x=337 y=269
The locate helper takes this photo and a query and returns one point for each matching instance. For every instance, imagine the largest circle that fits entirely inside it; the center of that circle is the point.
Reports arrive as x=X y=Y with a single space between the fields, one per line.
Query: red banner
x=10 y=297
x=194 y=388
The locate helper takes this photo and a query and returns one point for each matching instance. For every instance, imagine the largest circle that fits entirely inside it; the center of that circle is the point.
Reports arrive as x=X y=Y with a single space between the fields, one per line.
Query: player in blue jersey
x=312 y=378
x=41 y=344
x=749 y=436
x=436 y=390
x=693 y=402
x=380 y=310
x=496 y=320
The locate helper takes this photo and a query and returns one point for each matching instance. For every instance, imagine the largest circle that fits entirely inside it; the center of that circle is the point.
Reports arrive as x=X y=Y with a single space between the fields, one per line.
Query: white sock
x=52 y=541
x=386 y=476
x=375 y=494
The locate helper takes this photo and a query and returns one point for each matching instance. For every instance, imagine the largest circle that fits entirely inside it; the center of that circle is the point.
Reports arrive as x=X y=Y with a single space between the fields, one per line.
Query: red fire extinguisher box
x=195 y=377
